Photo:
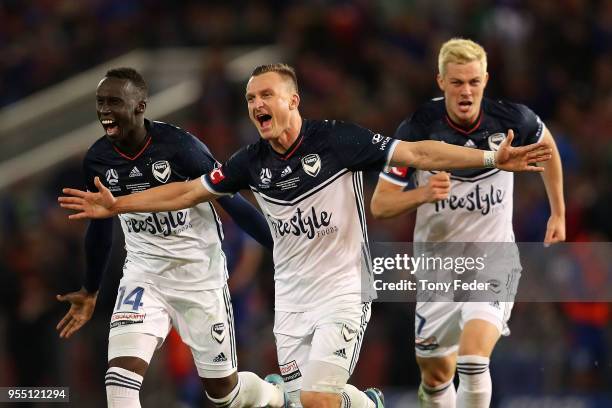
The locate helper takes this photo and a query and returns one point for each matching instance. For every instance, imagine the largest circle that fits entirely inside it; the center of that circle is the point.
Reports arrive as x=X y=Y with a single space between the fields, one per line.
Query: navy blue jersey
x=480 y=204
x=312 y=197
x=181 y=249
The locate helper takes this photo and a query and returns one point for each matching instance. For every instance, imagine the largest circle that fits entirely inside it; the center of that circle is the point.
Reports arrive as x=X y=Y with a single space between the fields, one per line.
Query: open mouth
x=464 y=106
x=110 y=126
x=265 y=120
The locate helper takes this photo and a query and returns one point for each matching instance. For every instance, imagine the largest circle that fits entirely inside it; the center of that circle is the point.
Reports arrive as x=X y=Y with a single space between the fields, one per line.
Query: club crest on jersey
x=218 y=332
x=495 y=140
x=161 y=171
x=312 y=164
x=112 y=177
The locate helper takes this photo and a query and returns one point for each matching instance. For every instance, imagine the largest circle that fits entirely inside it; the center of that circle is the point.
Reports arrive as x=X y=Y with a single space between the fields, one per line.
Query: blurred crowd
x=363 y=61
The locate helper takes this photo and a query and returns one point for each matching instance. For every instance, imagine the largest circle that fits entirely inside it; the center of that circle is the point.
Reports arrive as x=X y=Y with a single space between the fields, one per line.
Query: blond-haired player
x=463 y=207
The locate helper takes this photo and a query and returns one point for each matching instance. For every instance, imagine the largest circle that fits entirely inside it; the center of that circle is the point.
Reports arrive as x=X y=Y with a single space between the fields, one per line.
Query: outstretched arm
x=169 y=197
x=248 y=219
x=433 y=155
x=553 y=182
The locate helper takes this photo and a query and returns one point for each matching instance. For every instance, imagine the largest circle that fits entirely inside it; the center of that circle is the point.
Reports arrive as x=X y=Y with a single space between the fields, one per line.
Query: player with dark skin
x=120 y=107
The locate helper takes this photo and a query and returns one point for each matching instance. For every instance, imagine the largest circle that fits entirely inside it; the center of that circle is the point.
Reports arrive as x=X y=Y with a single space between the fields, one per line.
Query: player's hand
x=555 y=230
x=524 y=158
x=88 y=204
x=437 y=187
x=82 y=305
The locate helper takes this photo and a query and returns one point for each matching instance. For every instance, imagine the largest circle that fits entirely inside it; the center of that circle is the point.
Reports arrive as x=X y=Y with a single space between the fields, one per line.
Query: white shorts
x=204 y=319
x=438 y=325
x=329 y=336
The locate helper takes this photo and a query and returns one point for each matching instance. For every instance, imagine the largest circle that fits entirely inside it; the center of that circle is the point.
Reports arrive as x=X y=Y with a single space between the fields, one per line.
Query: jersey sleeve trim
x=390 y=152
x=207 y=186
x=390 y=179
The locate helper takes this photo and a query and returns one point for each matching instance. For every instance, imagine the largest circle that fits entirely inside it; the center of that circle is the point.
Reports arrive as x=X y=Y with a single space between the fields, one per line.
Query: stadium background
x=364 y=61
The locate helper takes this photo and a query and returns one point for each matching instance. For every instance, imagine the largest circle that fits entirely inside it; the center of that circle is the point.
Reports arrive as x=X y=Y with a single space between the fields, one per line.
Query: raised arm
x=102 y=204
x=433 y=155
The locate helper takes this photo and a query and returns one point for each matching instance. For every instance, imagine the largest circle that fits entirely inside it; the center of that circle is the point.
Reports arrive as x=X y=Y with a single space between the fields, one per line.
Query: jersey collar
x=463 y=129
x=148 y=140
x=294 y=146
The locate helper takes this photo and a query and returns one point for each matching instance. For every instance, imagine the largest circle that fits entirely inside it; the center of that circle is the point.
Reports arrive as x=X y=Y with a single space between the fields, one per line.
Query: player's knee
x=436 y=371
x=313 y=399
x=130 y=363
x=220 y=387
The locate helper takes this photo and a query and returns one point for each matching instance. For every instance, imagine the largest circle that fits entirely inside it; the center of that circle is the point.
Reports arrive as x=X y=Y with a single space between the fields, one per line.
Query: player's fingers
x=548 y=237
x=70 y=200
x=67 y=331
x=76 y=207
x=74 y=192
x=79 y=216
x=533 y=169
x=63 y=322
x=509 y=138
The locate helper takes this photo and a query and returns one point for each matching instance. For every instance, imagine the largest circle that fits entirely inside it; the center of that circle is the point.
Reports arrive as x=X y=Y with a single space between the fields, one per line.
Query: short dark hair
x=284 y=70
x=131 y=75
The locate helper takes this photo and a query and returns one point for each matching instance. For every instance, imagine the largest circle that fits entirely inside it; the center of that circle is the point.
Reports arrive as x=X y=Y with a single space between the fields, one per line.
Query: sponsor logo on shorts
x=290 y=371
x=124 y=318
x=220 y=358
x=495 y=304
x=340 y=353
x=430 y=343
x=348 y=333
x=218 y=332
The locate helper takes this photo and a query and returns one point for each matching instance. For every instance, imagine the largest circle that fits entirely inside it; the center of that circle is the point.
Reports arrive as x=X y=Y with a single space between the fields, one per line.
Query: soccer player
x=306 y=177
x=175 y=270
x=454 y=207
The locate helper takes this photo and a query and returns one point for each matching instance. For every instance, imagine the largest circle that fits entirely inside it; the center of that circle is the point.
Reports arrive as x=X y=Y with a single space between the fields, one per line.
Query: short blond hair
x=461 y=51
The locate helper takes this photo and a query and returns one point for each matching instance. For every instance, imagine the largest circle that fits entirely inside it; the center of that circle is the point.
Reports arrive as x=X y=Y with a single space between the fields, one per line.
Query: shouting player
x=465 y=206
x=306 y=176
x=175 y=271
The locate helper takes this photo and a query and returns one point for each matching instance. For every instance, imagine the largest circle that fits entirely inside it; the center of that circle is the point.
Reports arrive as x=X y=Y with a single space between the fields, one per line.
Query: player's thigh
x=139 y=323
x=437 y=328
x=335 y=348
x=205 y=321
x=482 y=325
x=293 y=333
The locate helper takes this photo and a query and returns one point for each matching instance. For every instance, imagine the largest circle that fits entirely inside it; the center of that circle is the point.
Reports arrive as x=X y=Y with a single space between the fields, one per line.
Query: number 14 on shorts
x=133 y=299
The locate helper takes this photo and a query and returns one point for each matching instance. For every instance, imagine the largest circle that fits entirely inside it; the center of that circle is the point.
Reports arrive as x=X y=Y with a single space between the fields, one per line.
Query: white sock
x=474 y=382
x=122 y=388
x=294 y=397
x=251 y=391
x=353 y=398
x=441 y=396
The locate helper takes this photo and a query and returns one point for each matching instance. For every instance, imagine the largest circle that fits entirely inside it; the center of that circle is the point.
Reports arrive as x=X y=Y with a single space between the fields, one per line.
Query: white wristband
x=489 y=159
